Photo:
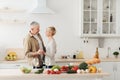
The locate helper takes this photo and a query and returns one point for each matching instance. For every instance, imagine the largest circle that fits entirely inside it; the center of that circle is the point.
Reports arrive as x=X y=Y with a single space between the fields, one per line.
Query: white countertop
x=16 y=61
x=14 y=73
x=81 y=60
x=65 y=60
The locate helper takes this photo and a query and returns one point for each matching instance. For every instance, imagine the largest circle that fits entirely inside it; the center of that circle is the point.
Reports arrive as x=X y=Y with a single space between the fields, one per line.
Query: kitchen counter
x=13 y=64
x=81 y=60
x=16 y=61
x=16 y=74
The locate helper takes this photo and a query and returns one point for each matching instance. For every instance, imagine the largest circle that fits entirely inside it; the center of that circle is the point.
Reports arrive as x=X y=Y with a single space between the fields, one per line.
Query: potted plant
x=116 y=54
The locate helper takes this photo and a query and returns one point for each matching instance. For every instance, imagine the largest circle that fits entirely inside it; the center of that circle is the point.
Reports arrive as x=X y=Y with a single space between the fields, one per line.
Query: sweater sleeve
x=27 y=48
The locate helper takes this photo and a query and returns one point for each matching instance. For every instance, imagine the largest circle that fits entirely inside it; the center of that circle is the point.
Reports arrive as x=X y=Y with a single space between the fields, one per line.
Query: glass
x=106 y=5
x=86 y=28
x=47 y=63
x=105 y=16
x=94 y=16
x=86 y=4
x=86 y=16
x=35 y=62
x=93 y=4
x=112 y=28
x=112 y=4
x=105 y=28
x=94 y=28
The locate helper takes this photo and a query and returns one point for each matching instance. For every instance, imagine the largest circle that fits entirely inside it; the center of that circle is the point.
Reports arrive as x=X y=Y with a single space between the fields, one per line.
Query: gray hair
x=34 y=23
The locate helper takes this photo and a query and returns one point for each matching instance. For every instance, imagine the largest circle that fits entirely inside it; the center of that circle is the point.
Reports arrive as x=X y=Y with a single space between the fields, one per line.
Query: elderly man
x=34 y=46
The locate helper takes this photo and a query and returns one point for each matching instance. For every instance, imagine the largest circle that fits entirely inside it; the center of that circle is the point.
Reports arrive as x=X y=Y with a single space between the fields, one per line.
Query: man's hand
x=40 y=52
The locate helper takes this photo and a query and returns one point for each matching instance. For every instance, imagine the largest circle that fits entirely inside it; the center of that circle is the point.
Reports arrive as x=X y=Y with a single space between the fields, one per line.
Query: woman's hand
x=40 y=52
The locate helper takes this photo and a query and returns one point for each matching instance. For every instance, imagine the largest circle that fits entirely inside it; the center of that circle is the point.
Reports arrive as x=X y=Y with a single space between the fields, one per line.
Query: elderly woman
x=51 y=46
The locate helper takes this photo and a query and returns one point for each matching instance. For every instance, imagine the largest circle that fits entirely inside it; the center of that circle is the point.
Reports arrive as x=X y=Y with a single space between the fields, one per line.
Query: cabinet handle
x=113 y=68
x=116 y=68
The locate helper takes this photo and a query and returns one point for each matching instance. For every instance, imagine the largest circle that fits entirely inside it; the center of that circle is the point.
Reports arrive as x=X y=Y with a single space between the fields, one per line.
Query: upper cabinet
x=109 y=17
x=90 y=17
x=99 y=18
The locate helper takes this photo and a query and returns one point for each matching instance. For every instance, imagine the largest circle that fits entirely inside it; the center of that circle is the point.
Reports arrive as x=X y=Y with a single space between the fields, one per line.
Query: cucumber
x=71 y=71
x=39 y=71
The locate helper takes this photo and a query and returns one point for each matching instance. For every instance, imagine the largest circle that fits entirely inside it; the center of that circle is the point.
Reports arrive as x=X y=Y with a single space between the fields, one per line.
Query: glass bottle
x=109 y=50
x=96 y=54
x=111 y=18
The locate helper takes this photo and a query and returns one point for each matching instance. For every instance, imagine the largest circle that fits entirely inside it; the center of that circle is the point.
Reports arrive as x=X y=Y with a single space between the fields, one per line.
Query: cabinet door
x=109 y=17
x=108 y=67
x=99 y=18
x=90 y=17
x=118 y=71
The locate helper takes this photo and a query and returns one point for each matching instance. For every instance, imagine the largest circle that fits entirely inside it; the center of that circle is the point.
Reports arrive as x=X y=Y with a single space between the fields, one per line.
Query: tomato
x=75 y=68
x=58 y=72
x=53 y=72
x=64 y=68
x=48 y=71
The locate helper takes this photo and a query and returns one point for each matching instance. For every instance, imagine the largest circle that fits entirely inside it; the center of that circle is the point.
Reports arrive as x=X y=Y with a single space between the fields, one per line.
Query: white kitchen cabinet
x=113 y=69
x=99 y=18
x=118 y=71
x=108 y=67
x=13 y=64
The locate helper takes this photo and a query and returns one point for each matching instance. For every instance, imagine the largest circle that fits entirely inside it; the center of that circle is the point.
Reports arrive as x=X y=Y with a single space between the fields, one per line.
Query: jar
x=74 y=56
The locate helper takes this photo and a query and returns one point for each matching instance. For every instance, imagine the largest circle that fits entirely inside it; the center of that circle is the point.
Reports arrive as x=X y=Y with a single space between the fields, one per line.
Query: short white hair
x=34 y=23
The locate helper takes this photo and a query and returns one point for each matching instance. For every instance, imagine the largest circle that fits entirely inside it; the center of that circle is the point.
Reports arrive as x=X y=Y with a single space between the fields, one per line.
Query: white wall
x=66 y=20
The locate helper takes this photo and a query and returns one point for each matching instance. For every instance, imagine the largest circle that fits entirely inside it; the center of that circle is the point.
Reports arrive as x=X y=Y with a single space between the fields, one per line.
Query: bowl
x=25 y=69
